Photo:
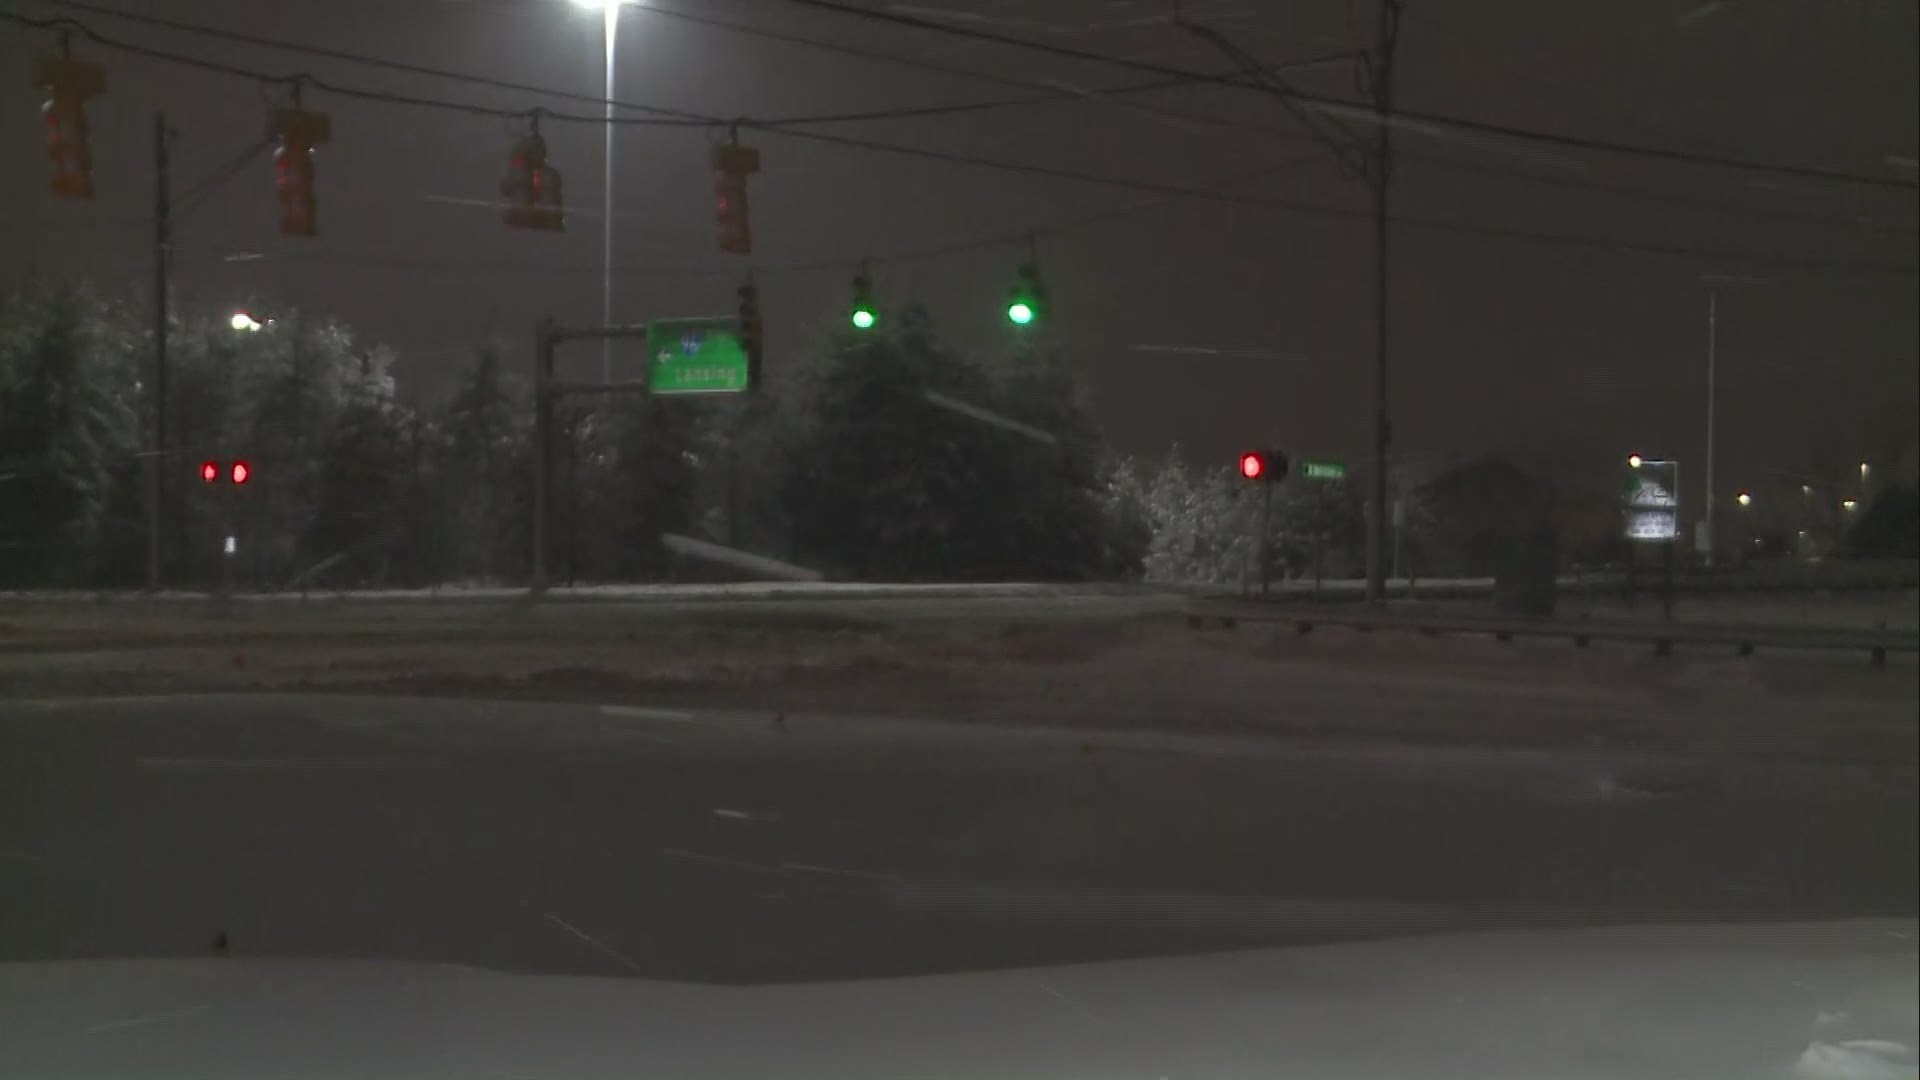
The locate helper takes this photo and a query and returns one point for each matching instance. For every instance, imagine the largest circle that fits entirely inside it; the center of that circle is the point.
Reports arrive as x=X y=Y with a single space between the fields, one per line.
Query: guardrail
x=1742 y=640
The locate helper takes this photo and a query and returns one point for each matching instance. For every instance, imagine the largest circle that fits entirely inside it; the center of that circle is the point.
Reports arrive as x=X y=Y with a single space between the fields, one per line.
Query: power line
x=660 y=116
x=954 y=158
x=670 y=117
x=1343 y=107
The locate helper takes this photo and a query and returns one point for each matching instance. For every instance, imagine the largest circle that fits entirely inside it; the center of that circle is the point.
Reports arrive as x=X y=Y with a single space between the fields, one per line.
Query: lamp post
x=610 y=32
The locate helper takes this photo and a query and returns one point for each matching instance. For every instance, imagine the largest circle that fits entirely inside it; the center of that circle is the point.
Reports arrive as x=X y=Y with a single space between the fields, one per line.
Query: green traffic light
x=863 y=318
x=1020 y=312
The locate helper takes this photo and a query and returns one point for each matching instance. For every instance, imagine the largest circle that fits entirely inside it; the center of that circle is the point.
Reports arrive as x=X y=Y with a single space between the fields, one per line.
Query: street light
x=1744 y=498
x=244 y=323
x=1849 y=505
x=610 y=27
x=1634 y=461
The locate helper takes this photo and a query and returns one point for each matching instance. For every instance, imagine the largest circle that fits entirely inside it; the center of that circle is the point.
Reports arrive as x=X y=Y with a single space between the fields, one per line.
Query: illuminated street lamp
x=1849 y=505
x=1745 y=498
x=1634 y=461
x=245 y=323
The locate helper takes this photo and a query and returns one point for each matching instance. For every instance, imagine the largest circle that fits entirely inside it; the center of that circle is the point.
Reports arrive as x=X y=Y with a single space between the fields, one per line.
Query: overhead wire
x=950 y=157
x=904 y=18
x=661 y=116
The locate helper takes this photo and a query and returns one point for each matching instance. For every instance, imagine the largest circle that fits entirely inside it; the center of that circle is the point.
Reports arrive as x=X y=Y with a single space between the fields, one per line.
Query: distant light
x=1634 y=461
x=1744 y=499
x=209 y=471
x=1807 y=490
x=1252 y=465
x=1849 y=505
x=1020 y=312
x=863 y=318
x=243 y=322
x=242 y=472
x=1863 y=472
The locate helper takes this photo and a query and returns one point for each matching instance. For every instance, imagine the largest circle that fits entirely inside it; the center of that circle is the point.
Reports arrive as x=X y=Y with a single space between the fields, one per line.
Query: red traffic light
x=209 y=471
x=242 y=472
x=1252 y=466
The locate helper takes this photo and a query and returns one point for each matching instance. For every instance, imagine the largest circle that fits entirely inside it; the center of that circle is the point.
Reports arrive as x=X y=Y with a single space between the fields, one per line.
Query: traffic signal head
x=751 y=340
x=532 y=187
x=299 y=131
x=1027 y=300
x=862 y=314
x=241 y=472
x=67 y=84
x=209 y=471
x=1263 y=466
x=732 y=164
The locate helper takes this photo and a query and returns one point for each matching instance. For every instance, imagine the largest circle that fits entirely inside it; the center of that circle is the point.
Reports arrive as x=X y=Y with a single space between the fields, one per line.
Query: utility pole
x=1713 y=312
x=162 y=239
x=1381 y=176
x=545 y=339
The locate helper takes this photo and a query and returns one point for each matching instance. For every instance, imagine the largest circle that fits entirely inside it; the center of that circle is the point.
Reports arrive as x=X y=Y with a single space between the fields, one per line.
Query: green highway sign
x=1323 y=470
x=696 y=356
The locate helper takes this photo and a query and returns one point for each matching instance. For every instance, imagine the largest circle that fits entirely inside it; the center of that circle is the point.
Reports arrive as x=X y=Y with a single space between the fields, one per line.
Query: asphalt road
x=733 y=847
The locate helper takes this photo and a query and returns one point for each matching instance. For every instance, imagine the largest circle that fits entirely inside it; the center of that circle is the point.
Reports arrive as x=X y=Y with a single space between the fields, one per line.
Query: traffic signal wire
x=660 y=116
x=954 y=158
x=1342 y=107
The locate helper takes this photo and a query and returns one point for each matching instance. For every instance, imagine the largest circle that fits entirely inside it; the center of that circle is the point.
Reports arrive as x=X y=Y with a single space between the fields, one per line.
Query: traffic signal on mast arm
x=532 y=186
x=1263 y=466
x=750 y=332
x=1027 y=300
x=862 y=314
x=67 y=84
x=299 y=131
x=732 y=164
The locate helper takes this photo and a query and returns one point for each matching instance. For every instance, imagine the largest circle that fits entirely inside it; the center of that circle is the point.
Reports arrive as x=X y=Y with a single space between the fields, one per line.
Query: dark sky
x=1210 y=325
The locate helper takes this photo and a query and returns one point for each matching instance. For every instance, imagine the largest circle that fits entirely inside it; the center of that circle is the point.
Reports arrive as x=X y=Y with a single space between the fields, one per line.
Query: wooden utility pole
x=1381 y=177
x=156 y=456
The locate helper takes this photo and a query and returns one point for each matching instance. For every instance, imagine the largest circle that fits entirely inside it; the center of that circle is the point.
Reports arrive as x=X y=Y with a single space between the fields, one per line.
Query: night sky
x=1208 y=325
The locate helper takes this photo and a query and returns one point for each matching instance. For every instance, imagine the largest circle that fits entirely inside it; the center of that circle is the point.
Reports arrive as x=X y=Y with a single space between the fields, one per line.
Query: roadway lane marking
x=174 y=764
x=175 y=1014
x=641 y=712
x=734 y=815
x=598 y=945
x=870 y=875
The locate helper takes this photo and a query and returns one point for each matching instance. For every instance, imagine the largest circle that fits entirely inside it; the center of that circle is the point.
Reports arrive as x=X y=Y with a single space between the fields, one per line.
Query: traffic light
x=732 y=164
x=1263 y=466
x=241 y=473
x=750 y=332
x=67 y=84
x=1027 y=300
x=532 y=187
x=862 y=313
x=209 y=471
x=299 y=131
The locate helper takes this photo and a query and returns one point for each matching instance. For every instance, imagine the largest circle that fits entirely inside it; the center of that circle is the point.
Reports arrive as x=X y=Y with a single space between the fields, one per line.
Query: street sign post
x=696 y=356
x=1323 y=470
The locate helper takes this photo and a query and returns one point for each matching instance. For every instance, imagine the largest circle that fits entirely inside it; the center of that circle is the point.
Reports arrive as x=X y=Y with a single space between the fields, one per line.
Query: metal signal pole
x=1381 y=176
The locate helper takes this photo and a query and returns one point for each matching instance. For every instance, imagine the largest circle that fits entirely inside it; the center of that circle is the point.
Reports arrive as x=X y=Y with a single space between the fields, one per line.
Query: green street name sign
x=1323 y=470
x=696 y=356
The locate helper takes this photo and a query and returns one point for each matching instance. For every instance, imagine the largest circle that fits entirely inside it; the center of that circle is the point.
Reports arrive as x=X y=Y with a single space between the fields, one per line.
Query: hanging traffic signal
x=750 y=332
x=209 y=471
x=1263 y=466
x=862 y=313
x=732 y=164
x=67 y=84
x=532 y=186
x=1027 y=300
x=241 y=473
x=299 y=131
